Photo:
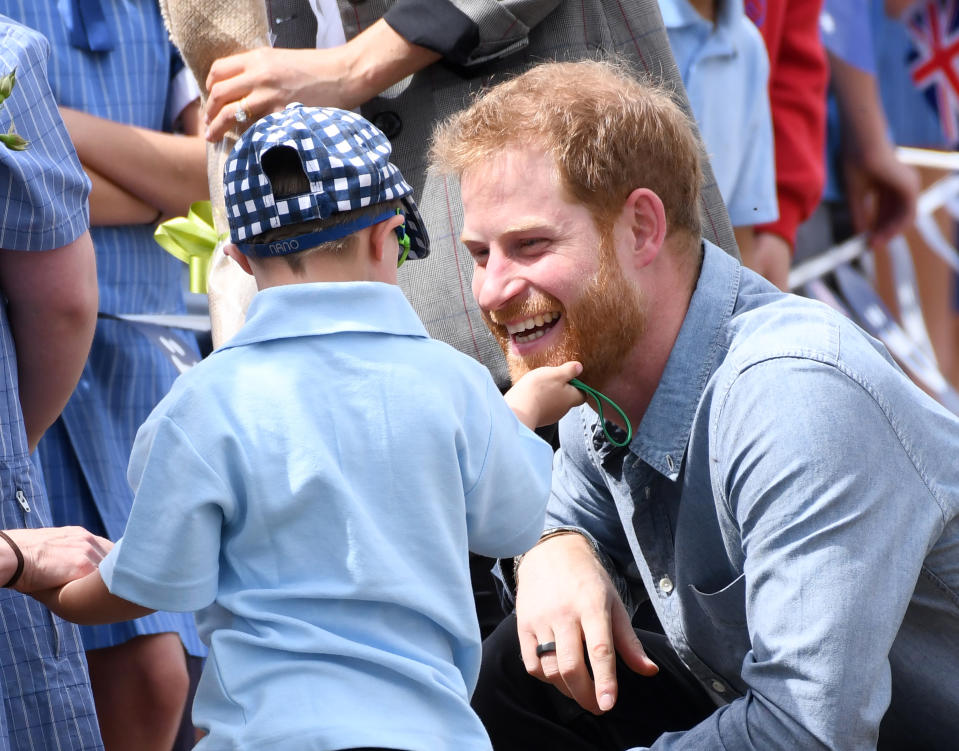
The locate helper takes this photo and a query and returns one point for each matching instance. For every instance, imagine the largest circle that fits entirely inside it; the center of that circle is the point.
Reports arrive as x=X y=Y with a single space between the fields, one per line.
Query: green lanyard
x=600 y=397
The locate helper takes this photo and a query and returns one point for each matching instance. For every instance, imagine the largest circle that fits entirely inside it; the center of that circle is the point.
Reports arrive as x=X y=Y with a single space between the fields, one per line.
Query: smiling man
x=787 y=504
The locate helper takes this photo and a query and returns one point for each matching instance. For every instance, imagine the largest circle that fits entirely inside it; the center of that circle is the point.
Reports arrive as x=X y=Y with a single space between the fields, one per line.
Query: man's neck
x=669 y=289
x=706 y=8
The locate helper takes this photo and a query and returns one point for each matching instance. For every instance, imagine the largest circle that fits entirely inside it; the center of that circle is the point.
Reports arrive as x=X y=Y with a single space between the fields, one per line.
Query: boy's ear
x=234 y=252
x=380 y=235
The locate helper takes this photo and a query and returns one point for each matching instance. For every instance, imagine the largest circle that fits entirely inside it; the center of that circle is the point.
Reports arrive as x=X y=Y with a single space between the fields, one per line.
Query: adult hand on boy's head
x=544 y=395
x=51 y=556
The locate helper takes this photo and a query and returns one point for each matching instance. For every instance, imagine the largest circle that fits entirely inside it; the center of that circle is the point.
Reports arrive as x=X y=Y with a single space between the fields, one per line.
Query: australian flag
x=934 y=61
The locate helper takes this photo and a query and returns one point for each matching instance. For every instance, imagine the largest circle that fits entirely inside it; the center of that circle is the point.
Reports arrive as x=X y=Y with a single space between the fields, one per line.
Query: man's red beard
x=599 y=328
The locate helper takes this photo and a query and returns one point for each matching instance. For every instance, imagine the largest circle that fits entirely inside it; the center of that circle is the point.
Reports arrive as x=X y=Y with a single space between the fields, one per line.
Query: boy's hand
x=544 y=395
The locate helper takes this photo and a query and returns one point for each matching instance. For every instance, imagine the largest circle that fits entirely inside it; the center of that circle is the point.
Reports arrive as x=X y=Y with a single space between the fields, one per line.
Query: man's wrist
x=548 y=534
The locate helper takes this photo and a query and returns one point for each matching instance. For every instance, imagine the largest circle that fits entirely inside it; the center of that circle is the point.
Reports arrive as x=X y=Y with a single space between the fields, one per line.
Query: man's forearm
x=860 y=108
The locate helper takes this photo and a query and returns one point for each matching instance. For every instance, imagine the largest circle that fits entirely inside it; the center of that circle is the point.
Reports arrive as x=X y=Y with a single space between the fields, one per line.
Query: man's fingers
x=549 y=667
x=527 y=644
x=599 y=637
x=570 y=668
x=628 y=645
x=101 y=545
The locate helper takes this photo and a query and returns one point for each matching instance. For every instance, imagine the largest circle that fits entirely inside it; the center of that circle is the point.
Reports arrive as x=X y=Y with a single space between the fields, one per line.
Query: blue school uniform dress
x=85 y=454
x=44 y=688
x=725 y=70
x=312 y=488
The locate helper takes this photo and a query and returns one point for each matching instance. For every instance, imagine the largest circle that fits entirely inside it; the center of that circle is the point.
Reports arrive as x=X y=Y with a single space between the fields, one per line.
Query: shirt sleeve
x=468 y=32
x=169 y=559
x=44 y=188
x=833 y=550
x=506 y=502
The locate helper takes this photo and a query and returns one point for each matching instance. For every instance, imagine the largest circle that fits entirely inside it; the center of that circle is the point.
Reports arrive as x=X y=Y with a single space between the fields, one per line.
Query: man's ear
x=380 y=234
x=234 y=252
x=645 y=218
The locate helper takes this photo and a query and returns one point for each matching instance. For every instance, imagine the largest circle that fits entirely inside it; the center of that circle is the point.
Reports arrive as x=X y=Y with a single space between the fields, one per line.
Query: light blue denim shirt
x=789 y=504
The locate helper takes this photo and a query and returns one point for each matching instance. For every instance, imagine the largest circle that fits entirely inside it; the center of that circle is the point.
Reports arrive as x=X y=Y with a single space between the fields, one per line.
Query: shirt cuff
x=437 y=25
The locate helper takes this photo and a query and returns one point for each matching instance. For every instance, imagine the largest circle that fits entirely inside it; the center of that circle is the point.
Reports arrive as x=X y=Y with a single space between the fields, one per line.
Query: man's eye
x=479 y=255
x=531 y=242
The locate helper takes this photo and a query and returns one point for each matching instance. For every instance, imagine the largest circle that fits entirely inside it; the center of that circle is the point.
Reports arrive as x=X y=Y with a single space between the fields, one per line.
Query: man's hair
x=608 y=132
x=282 y=167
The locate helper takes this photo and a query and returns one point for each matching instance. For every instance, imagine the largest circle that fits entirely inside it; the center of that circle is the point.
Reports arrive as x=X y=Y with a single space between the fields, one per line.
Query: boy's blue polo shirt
x=725 y=70
x=312 y=488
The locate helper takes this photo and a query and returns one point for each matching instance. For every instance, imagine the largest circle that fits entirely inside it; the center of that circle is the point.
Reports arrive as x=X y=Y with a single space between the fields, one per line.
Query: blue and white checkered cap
x=346 y=159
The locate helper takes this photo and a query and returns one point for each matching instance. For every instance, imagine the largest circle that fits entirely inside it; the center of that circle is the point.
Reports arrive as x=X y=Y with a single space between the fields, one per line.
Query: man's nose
x=496 y=283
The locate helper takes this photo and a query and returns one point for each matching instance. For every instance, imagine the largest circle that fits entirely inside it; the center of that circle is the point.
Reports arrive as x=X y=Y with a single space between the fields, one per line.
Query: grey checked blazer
x=512 y=35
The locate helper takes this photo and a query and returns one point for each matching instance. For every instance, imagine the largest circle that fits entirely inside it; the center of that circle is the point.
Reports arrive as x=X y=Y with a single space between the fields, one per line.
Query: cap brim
x=416 y=229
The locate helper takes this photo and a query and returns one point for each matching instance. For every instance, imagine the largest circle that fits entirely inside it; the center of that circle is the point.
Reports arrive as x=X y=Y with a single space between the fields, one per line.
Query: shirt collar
x=680 y=13
x=314 y=309
x=665 y=428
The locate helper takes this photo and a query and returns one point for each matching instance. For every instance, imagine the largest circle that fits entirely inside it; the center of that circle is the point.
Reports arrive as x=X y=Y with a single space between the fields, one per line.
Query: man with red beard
x=788 y=504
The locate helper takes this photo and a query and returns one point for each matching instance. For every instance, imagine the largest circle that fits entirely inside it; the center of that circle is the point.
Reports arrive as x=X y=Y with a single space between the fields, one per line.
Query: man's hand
x=564 y=595
x=52 y=556
x=882 y=193
x=881 y=190
x=544 y=395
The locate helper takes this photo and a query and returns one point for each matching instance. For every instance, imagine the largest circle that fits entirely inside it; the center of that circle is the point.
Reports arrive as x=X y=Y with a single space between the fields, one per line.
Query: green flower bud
x=7 y=83
x=14 y=141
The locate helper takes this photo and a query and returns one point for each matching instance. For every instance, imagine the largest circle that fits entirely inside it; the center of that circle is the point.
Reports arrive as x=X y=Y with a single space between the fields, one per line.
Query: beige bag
x=204 y=31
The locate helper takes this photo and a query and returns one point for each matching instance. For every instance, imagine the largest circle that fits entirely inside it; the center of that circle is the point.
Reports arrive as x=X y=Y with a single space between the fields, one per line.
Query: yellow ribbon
x=192 y=239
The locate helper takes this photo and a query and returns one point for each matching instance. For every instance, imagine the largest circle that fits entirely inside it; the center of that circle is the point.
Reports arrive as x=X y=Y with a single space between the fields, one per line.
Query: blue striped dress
x=84 y=455
x=44 y=687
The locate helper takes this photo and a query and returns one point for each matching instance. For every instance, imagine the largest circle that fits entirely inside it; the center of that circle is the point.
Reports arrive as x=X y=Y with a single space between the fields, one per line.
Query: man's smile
x=532 y=328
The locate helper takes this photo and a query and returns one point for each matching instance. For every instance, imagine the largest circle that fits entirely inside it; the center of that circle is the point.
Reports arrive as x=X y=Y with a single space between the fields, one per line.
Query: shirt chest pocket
x=725 y=608
x=716 y=628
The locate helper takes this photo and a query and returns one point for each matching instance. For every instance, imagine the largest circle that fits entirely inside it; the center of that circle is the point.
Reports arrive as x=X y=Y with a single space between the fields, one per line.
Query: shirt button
x=718 y=686
x=666 y=585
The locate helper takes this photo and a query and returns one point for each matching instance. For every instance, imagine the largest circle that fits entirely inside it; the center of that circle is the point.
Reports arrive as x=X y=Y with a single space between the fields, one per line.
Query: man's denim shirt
x=789 y=503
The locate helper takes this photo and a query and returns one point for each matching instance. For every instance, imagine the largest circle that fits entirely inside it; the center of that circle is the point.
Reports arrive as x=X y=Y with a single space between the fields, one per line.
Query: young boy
x=313 y=486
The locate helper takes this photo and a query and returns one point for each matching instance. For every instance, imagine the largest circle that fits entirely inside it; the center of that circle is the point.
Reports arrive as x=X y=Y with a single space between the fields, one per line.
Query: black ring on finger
x=542 y=649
